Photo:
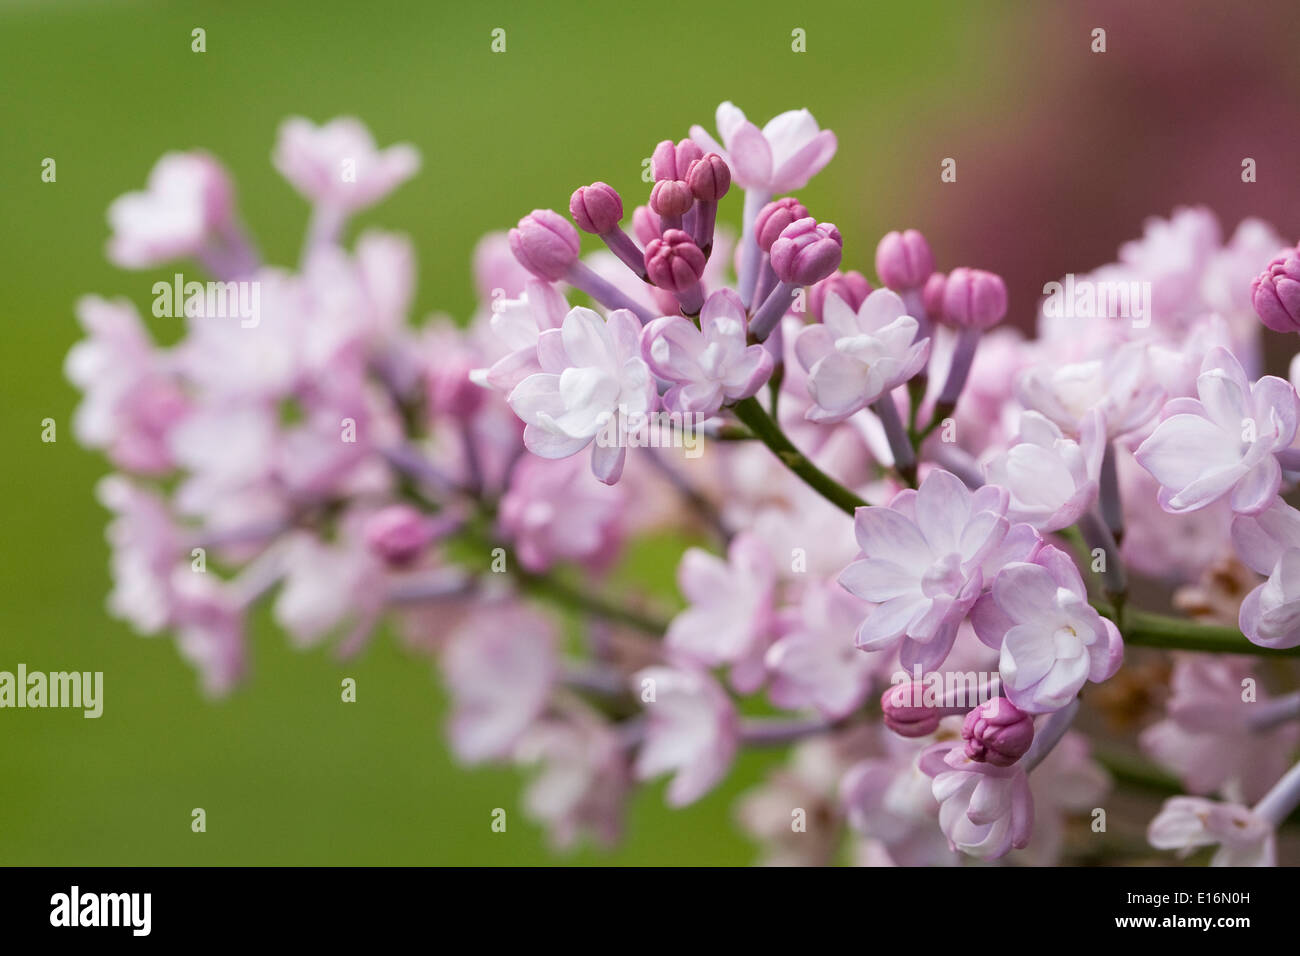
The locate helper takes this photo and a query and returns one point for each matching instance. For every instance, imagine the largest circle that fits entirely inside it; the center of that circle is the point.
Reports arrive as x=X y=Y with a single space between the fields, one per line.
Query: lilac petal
x=1258 y=487
x=607 y=462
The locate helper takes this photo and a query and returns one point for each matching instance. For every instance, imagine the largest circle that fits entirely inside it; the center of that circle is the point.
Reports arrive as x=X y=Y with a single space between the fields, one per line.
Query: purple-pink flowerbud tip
x=674 y=262
x=852 y=287
x=904 y=712
x=597 y=208
x=545 y=243
x=709 y=178
x=974 y=299
x=904 y=260
x=773 y=218
x=807 y=251
x=1275 y=293
x=398 y=534
x=671 y=160
x=997 y=732
x=671 y=197
x=932 y=294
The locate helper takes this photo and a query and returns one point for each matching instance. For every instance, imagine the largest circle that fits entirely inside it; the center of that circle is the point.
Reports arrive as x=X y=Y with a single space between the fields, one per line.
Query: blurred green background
x=286 y=773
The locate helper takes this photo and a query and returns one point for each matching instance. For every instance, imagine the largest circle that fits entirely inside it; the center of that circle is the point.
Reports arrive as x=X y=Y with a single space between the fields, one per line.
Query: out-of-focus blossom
x=693 y=731
x=1189 y=823
x=556 y=511
x=582 y=780
x=781 y=157
x=1209 y=736
x=1121 y=387
x=131 y=400
x=730 y=618
x=500 y=667
x=1269 y=543
x=814 y=663
x=338 y=166
x=188 y=203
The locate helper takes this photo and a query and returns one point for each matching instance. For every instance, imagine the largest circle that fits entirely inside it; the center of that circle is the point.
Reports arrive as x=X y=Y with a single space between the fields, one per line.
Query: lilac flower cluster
x=917 y=525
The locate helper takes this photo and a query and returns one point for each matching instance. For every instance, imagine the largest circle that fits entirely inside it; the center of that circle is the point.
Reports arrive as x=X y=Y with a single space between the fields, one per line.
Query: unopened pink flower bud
x=672 y=160
x=974 y=299
x=646 y=225
x=709 y=178
x=398 y=534
x=932 y=295
x=545 y=243
x=671 y=198
x=904 y=260
x=904 y=712
x=773 y=218
x=997 y=732
x=451 y=392
x=1275 y=293
x=806 y=252
x=674 y=262
x=852 y=287
x=596 y=209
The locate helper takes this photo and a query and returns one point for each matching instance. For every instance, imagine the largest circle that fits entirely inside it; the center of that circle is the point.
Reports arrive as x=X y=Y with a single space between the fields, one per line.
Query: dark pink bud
x=646 y=225
x=671 y=197
x=904 y=712
x=974 y=299
x=997 y=732
x=904 y=260
x=807 y=251
x=1275 y=293
x=932 y=295
x=709 y=178
x=545 y=243
x=398 y=534
x=674 y=262
x=671 y=161
x=852 y=287
x=597 y=208
x=774 y=218
x=450 y=390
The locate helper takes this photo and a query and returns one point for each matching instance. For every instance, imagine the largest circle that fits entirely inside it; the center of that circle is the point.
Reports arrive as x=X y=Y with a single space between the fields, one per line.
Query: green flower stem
x=1144 y=629
x=766 y=430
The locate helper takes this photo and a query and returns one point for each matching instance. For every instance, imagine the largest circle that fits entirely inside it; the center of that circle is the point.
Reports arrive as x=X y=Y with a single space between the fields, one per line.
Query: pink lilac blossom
x=1052 y=640
x=1223 y=442
x=341 y=466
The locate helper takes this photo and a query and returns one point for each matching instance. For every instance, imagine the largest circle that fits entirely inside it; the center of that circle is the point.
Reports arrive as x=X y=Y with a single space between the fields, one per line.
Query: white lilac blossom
x=859 y=513
x=854 y=357
x=708 y=364
x=1051 y=480
x=592 y=374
